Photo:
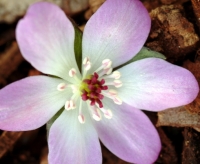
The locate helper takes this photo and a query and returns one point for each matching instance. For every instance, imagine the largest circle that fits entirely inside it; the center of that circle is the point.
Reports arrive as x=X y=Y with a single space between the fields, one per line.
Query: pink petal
x=46 y=39
x=129 y=134
x=117 y=31
x=29 y=103
x=71 y=142
x=154 y=84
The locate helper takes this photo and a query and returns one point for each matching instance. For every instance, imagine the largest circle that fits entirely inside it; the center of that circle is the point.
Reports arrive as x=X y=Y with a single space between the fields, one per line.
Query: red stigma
x=94 y=90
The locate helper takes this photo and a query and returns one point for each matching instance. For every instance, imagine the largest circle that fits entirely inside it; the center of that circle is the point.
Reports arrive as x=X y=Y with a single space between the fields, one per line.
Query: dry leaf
x=185 y=116
x=172 y=32
x=7 y=141
x=191 y=153
x=74 y=6
x=10 y=10
x=194 y=107
x=178 y=117
x=9 y=61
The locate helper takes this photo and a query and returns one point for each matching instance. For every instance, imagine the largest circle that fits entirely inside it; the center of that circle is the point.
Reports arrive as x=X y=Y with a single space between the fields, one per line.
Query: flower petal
x=29 y=103
x=117 y=31
x=154 y=84
x=46 y=39
x=72 y=142
x=129 y=134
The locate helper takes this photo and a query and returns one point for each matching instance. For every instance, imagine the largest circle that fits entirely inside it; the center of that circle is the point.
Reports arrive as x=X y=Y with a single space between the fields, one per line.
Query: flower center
x=92 y=89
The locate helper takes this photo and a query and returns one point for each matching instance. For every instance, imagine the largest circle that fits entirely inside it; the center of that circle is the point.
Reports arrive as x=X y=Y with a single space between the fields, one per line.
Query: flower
x=99 y=102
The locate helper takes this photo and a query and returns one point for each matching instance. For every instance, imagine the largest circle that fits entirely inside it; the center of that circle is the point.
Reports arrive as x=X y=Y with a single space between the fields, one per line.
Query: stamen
x=67 y=105
x=106 y=63
x=81 y=118
x=96 y=115
x=85 y=60
x=116 y=75
x=70 y=105
x=86 y=63
x=117 y=83
x=117 y=100
x=108 y=114
x=100 y=68
x=80 y=107
x=61 y=86
x=112 y=92
x=72 y=72
x=106 y=71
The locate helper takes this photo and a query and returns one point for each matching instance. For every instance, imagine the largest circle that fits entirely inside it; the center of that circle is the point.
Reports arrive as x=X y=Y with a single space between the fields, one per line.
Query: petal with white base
x=154 y=84
x=73 y=142
x=29 y=103
x=129 y=134
x=46 y=39
x=117 y=31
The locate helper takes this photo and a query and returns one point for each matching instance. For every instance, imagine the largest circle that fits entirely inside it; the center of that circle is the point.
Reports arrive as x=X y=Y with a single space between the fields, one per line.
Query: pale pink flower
x=111 y=112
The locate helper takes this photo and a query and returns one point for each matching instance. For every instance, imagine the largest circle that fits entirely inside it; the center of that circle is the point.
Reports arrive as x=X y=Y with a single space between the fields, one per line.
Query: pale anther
x=117 y=83
x=61 y=86
x=87 y=66
x=106 y=63
x=110 y=95
x=67 y=105
x=70 y=105
x=85 y=60
x=105 y=68
x=96 y=114
x=81 y=118
x=117 y=100
x=112 y=92
x=116 y=74
x=86 y=63
x=108 y=114
x=108 y=71
x=72 y=72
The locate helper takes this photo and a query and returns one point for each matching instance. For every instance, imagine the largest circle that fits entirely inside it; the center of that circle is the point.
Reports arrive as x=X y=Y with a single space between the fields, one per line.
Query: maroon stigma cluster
x=94 y=89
